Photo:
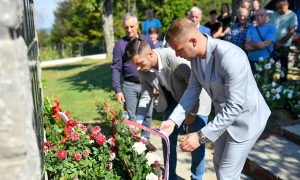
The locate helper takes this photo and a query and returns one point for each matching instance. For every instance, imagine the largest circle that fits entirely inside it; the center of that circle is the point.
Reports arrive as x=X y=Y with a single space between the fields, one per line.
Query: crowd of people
x=197 y=66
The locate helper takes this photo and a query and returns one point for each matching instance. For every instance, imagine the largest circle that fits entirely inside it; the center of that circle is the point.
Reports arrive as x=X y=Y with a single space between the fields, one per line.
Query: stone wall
x=19 y=153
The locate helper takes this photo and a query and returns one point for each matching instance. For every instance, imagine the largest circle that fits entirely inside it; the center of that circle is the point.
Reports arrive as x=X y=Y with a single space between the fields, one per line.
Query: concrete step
x=292 y=133
x=274 y=158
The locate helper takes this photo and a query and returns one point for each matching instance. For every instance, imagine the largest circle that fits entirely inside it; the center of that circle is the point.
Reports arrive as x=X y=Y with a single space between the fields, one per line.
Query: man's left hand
x=190 y=143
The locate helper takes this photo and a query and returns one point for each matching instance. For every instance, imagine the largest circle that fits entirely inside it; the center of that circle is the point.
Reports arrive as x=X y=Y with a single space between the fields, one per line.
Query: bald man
x=223 y=70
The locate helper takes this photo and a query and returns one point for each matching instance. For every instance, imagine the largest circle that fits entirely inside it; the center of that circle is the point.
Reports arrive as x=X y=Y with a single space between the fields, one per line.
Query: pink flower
x=143 y=140
x=71 y=123
x=100 y=139
x=85 y=153
x=110 y=165
x=96 y=129
x=77 y=156
x=112 y=156
x=112 y=141
x=75 y=178
x=74 y=136
x=82 y=127
x=62 y=154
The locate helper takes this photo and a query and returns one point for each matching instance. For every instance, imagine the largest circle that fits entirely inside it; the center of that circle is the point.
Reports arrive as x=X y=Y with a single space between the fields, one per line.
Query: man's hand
x=167 y=126
x=189 y=119
x=120 y=97
x=190 y=143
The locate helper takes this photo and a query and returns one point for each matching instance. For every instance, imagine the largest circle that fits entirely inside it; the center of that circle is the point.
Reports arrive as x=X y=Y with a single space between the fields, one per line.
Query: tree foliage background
x=80 y=20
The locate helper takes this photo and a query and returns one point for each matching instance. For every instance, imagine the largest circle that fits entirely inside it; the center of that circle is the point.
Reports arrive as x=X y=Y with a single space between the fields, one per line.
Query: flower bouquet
x=105 y=151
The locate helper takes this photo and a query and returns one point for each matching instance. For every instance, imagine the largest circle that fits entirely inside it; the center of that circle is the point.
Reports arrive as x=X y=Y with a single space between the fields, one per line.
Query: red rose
x=67 y=130
x=96 y=129
x=55 y=103
x=71 y=123
x=85 y=153
x=48 y=144
x=77 y=156
x=100 y=139
x=62 y=154
x=67 y=113
x=74 y=136
x=93 y=136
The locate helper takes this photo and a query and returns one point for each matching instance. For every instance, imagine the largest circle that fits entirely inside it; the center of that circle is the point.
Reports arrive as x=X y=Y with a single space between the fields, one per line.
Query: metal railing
x=27 y=31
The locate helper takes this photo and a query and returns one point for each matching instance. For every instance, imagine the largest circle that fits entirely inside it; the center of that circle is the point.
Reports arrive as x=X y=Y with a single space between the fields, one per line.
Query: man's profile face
x=131 y=27
x=142 y=61
x=195 y=17
x=182 y=49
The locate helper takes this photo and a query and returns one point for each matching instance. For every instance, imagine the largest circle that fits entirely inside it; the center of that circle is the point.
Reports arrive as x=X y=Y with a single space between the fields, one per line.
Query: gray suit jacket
x=240 y=107
x=177 y=72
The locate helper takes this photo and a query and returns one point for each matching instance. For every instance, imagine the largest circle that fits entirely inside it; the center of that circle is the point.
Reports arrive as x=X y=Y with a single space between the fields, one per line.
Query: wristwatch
x=201 y=137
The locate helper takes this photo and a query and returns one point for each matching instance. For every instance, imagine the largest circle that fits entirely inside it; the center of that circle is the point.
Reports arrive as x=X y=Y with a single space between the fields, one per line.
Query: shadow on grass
x=96 y=77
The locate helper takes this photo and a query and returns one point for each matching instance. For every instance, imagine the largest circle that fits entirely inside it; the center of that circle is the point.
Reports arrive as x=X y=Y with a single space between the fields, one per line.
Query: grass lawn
x=78 y=86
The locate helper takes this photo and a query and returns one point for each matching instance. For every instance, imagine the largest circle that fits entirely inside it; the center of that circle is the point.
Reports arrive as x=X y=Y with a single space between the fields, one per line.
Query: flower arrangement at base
x=105 y=151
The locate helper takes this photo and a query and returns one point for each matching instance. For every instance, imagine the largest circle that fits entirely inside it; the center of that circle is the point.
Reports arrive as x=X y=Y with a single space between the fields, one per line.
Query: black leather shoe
x=150 y=147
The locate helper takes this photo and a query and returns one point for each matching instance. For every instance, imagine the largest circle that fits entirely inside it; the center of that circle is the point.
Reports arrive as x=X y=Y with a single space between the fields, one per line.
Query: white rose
x=290 y=95
x=278 y=90
x=151 y=158
x=139 y=147
x=260 y=69
x=277 y=96
x=268 y=94
x=273 y=90
x=151 y=176
x=268 y=66
x=260 y=59
x=273 y=84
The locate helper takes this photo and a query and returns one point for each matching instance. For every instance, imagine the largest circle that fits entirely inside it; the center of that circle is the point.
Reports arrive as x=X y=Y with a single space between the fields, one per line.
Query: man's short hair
x=135 y=47
x=213 y=12
x=282 y=2
x=195 y=9
x=128 y=16
x=179 y=27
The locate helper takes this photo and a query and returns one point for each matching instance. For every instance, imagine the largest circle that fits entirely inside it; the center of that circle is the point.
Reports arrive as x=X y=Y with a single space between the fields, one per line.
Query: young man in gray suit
x=165 y=77
x=223 y=70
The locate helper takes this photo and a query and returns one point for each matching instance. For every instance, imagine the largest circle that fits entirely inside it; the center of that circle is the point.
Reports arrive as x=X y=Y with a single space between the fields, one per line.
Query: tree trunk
x=131 y=6
x=108 y=27
x=235 y=6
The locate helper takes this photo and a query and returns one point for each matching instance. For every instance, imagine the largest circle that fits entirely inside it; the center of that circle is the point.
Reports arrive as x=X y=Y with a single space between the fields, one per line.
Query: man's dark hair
x=135 y=47
x=213 y=12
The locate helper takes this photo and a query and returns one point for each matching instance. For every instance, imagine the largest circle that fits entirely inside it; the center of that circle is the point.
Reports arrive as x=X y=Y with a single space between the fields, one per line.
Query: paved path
x=184 y=161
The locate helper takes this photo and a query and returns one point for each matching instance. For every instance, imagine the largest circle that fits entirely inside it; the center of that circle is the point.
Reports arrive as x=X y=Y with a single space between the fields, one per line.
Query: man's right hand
x=167 y=126
x=120 y=97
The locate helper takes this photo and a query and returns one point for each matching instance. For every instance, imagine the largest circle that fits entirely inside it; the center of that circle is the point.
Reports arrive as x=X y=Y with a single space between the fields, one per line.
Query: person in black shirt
x=225 y=18
x=214 y=25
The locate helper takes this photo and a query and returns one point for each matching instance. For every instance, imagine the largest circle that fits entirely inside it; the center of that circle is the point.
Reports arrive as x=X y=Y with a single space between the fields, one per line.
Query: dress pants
x=132 y=93
x=230 y=156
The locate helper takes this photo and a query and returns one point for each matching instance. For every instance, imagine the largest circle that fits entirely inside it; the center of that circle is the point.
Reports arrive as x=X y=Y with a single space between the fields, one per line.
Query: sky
x=44 y=17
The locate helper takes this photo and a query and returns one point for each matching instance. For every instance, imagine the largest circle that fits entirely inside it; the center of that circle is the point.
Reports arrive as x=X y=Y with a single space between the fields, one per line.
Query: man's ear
x=193 y=41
